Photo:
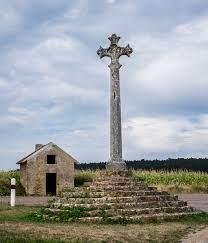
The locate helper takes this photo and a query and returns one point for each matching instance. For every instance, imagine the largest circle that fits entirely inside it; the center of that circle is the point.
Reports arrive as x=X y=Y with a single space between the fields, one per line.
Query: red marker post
x=13 y=191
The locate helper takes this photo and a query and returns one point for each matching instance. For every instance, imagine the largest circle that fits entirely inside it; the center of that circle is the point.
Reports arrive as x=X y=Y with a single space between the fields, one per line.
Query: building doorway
x=51 y=183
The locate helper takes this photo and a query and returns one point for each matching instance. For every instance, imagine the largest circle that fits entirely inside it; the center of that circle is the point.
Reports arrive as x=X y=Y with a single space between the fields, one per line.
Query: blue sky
x=55 y=88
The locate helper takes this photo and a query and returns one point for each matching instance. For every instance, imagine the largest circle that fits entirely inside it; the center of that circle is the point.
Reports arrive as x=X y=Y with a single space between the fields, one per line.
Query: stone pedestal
x=114 y=196
x=116 y=166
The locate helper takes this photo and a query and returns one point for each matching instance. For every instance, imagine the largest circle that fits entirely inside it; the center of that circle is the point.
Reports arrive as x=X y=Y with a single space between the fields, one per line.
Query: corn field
x=176 y=181
x=173 y=181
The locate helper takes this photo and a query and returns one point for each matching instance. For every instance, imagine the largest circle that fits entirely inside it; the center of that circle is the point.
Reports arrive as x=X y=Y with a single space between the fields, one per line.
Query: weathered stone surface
x=114 y=52
x=33 y=170
x=114 y=196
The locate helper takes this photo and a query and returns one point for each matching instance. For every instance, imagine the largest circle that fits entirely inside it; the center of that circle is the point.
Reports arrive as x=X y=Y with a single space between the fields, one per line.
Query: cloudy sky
x=55 y=88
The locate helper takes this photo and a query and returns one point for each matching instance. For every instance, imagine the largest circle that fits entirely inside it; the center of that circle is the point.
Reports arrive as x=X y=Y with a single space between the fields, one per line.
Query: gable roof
x=24 y=160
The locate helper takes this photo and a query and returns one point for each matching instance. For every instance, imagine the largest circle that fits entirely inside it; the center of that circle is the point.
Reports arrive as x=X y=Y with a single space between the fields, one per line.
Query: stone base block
x=116 y=166
x=115 y=196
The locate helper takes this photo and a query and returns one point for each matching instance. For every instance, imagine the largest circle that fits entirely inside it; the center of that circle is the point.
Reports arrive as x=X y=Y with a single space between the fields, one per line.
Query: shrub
x=82 y=176
x=5 y=182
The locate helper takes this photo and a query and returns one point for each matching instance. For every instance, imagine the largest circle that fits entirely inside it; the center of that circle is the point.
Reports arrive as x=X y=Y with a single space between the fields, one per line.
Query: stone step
x=117 y=183
x=148 y=218
x=145 y=198
x=83 y=194
x=98 y=189
x=129 y=212
x=120 y=205
x=138 y=211
x=118 y=197
x=134 y=193
x=113 y=178
x=116 y=187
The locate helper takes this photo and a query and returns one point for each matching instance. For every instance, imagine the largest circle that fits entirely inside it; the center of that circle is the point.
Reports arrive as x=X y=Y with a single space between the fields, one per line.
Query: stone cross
x=114 y=52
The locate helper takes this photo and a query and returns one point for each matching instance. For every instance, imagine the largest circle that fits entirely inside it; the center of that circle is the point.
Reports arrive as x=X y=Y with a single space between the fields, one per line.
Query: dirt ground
x=16 y=227
x=168 y=232
x=26 y=200
x=200 y=236
x=196 y=200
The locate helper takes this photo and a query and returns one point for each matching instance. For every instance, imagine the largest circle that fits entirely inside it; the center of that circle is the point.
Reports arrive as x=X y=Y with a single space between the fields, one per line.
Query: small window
x=114 y=95
x=51 y=159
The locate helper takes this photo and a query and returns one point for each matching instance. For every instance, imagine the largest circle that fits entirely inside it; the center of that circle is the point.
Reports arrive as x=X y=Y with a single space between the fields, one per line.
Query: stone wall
x=23 y=174
x=33 y=175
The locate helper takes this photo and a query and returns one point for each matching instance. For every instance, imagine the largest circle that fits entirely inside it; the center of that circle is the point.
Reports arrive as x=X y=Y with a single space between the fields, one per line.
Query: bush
x=82 y=176
x=5 y=183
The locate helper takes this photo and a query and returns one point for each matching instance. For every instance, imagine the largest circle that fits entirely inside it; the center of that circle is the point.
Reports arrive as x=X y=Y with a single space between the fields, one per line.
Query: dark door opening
x=51 y=183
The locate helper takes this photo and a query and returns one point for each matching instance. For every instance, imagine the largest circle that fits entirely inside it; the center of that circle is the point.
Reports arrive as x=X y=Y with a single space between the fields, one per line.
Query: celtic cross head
x=114 y=51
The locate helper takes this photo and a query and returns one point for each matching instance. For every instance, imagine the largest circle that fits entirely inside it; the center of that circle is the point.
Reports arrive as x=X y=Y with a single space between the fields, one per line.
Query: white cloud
x=10 y=20
x=3 y=83
x=17 y=115
x=167 y=136
x=171 y=68
x=54 y=86
x=48 y=71
x=111 y=1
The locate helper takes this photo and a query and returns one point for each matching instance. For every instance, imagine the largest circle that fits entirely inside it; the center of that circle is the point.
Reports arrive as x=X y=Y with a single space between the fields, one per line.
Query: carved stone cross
x=114 y=52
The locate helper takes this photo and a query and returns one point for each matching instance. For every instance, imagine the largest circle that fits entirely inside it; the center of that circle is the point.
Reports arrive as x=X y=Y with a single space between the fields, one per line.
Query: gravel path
x=199 y=201
x=198 y=237
x=196 y=200
x=27 y=201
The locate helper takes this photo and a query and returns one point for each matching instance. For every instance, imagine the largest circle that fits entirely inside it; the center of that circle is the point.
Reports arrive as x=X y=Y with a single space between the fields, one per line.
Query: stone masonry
x=114 y=52
x=34 y=168
x=117 y=197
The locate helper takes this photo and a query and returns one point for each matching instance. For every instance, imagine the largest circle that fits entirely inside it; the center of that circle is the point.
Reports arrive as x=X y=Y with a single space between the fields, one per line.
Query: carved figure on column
x=114 y=52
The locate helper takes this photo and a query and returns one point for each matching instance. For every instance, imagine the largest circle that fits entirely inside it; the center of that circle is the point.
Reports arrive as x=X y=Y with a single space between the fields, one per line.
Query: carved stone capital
x=102 y=52
x=114 y=39
x=114 y=51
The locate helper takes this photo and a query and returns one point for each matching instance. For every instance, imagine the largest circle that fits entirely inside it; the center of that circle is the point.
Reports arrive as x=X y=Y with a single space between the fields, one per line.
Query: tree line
x=191 y=164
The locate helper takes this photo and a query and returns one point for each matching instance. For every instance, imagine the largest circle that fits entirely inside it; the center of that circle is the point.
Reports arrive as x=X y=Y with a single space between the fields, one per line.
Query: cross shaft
x=114 y=52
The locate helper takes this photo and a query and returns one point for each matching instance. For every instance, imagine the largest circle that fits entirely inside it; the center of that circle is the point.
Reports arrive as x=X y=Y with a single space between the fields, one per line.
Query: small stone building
x=47 y=170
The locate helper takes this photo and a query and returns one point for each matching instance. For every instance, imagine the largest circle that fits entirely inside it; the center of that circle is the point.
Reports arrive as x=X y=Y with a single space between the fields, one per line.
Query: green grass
x=15 y=227
x=34 y=214
x=200 y=218
x=82 y=176
x=67 y=215
x=17 y=213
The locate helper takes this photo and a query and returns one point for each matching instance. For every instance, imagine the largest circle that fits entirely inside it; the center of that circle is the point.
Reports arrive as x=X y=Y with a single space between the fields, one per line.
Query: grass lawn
x=16 y=227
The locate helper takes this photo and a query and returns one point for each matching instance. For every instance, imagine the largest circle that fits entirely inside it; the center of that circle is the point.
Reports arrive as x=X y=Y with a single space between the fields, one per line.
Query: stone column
x=114 y=52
